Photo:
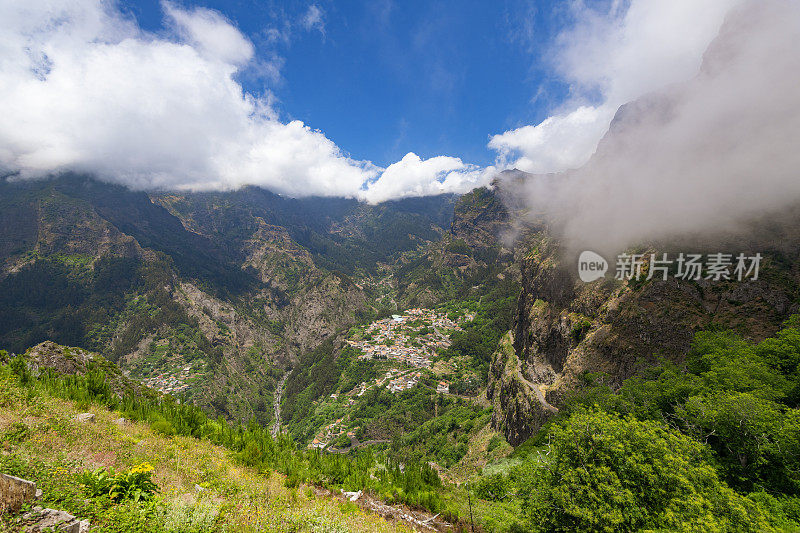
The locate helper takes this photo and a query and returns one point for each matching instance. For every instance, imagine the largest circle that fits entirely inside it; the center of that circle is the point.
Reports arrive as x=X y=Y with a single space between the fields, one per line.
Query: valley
x=398 y=350
x=405 y=350
x=334 y=267
x=443 y=369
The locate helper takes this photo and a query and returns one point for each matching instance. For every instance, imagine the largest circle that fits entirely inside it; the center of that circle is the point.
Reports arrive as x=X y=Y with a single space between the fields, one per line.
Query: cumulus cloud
x=413 y=176
x=702 y=156
x=557 y=143
x=211 y=34
x=83 y=88
x=609 y=58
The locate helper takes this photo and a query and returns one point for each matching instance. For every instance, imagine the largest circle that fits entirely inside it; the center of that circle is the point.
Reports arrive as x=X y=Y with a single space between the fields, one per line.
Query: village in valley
x=172 y=382
x=411 y=339
x=407 y=344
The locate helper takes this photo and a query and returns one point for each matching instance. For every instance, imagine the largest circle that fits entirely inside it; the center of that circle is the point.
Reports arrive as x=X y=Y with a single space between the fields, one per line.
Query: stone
x=85 y=417
x=352 y=496
x=41 y=519
x=15 y=492
x=121 y=421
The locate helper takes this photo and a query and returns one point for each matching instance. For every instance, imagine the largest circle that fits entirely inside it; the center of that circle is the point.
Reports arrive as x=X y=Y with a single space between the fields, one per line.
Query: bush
x=607 y=473
x=493 y=488
x=19 y=367
x=163 y=427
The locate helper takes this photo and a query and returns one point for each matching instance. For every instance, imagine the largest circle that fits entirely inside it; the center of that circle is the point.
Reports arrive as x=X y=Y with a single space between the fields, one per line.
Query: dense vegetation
x=713 y=445
x=313 y=377
x=60 y=299
x=415 y=484
x=494 y=316
x=443 y=438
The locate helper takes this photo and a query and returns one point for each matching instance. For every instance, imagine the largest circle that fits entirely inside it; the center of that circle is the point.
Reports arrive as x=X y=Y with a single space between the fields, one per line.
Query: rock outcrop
x=15 y=492
x=77 y=361
x=565 y=328
x=43 y=519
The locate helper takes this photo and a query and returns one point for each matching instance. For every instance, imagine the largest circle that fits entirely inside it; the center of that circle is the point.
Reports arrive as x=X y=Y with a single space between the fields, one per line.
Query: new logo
x=591 y=266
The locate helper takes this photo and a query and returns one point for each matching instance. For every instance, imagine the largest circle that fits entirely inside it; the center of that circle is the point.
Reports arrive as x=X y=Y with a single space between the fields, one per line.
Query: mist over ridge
x=698 y=157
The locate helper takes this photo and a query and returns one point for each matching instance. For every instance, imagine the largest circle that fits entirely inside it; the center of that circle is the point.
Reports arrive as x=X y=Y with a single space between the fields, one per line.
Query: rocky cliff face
x=481 y=219
x=307 y=303
x=76 y=361
x=473 y=255
x=566 y=328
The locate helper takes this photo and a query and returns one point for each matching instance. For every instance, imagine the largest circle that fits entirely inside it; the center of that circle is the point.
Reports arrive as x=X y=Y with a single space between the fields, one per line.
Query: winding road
x=538 y=392
x=276 y=425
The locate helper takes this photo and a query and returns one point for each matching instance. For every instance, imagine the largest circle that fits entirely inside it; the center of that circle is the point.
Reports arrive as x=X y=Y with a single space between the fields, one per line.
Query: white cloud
x=211 y=34
x=413 y=176
x=314 y=19
x=701 y=158
x=557 y=143
x=618 y=55
x=83 y=88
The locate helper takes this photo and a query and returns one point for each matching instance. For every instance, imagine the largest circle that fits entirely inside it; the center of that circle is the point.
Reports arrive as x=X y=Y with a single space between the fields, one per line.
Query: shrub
x=17 y=433
x=19 y=367
x=163 y=427
x=493 y=488
x=607 y=473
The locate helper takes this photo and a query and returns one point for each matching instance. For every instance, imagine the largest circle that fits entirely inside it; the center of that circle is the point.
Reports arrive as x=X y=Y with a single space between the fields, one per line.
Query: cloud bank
x=608 y=58
x=696 y=157
x=83 y=88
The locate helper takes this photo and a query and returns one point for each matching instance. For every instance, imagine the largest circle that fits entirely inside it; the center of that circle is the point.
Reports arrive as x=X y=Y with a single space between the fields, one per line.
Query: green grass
x=40 y=441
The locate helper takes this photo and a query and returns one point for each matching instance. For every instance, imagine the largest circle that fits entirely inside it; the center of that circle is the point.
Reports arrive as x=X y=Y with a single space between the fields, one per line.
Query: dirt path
x=418 y=520
x=276 y=425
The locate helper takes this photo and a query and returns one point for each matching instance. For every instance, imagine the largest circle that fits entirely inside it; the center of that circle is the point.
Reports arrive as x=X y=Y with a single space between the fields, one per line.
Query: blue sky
x=374 y=100
x=384 y=78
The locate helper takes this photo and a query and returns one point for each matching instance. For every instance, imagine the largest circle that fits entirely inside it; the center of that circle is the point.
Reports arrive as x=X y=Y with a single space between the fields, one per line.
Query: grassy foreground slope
x=202 y=488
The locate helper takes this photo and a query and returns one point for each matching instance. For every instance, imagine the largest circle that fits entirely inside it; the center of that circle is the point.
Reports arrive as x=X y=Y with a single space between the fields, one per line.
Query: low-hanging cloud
x=83 y=88
x=411 y=176
x=696 y=157
x=607 y=58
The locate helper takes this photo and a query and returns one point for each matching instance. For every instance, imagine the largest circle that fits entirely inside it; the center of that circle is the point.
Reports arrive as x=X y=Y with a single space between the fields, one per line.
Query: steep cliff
x=566 y=328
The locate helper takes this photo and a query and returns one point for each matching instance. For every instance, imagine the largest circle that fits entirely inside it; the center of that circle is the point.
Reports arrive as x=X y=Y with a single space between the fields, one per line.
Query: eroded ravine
x=276 y=425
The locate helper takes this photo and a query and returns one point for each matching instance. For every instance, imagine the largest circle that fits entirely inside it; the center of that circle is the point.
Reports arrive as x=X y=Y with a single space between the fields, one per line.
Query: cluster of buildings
x=391 y=338
x=327 y=434
x=411 y=339
x=171 y=383
x=395 y=381
x=404 y=382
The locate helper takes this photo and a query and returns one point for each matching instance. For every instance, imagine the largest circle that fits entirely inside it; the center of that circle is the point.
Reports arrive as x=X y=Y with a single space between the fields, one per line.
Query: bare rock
x=85 y=417
x=41 y=519
x=15 y=492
